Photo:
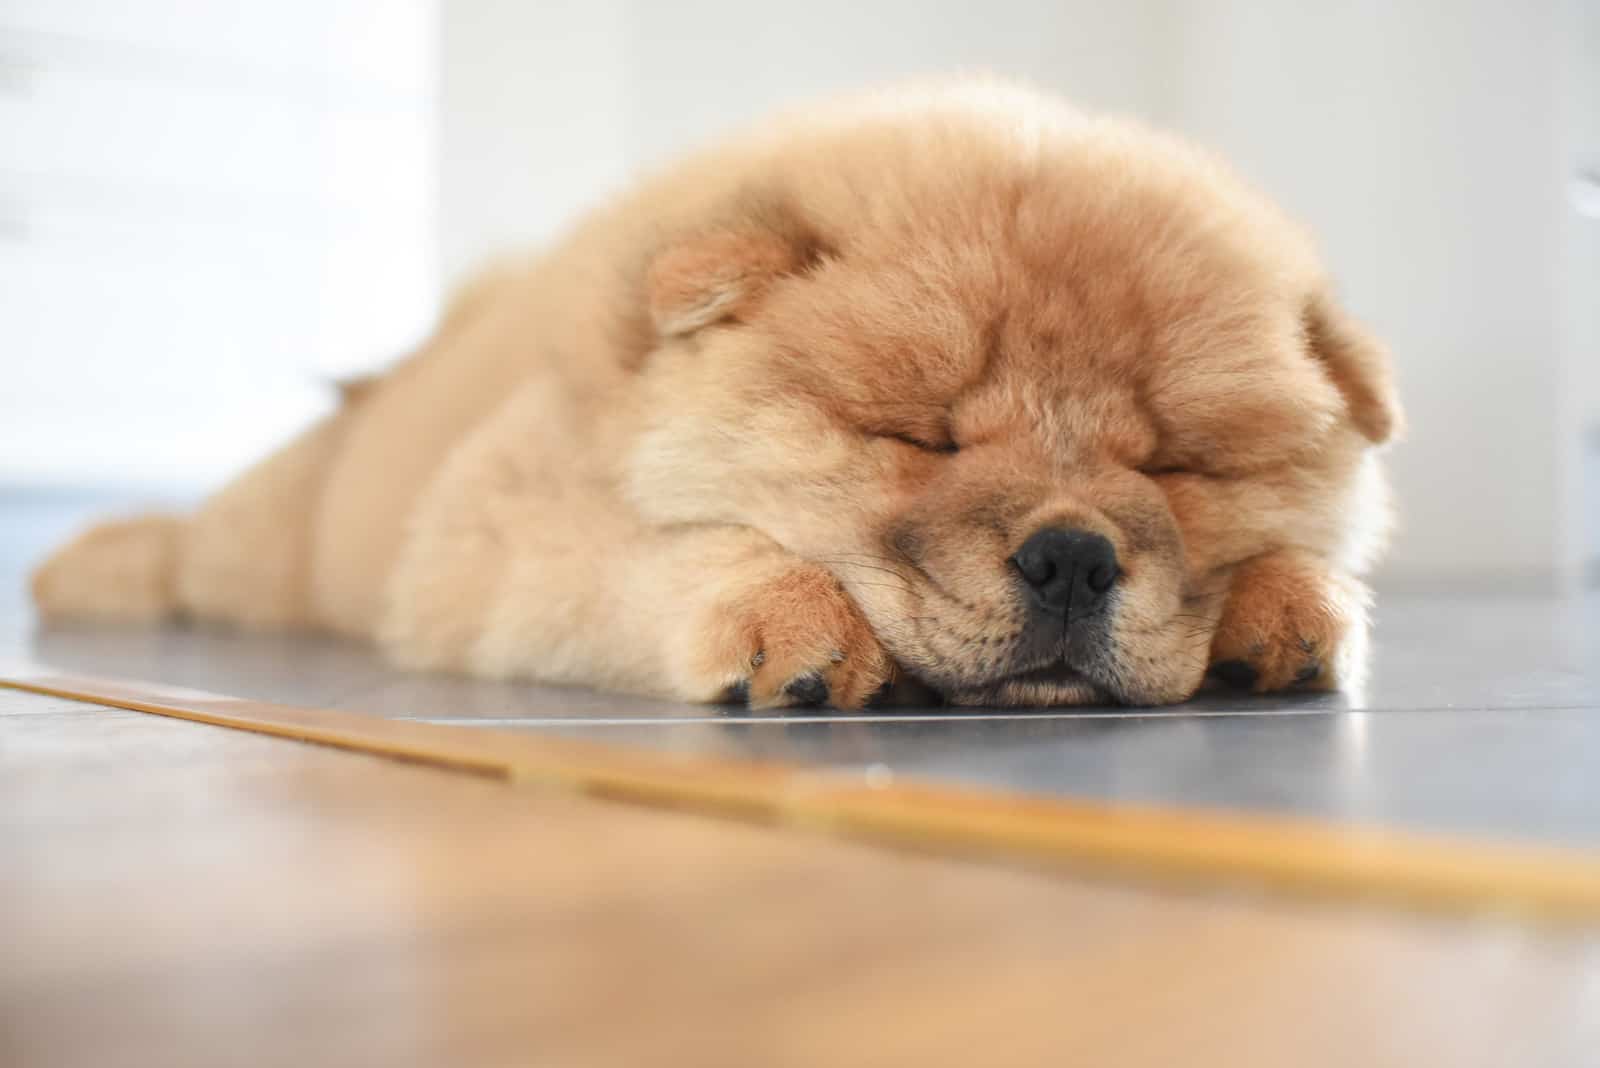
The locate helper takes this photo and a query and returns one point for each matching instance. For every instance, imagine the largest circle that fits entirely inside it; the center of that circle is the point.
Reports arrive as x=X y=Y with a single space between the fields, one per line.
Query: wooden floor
x=173 y=893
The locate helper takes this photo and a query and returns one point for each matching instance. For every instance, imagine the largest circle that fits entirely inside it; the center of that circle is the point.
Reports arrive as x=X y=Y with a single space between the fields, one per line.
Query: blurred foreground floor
x=179 y=894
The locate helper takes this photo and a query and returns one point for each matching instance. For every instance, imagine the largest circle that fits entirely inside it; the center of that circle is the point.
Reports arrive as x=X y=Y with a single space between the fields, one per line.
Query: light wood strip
x=1140 y=841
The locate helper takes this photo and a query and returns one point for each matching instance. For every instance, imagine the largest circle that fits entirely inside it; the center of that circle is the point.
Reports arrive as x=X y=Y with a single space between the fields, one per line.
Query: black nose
x=1067 y=571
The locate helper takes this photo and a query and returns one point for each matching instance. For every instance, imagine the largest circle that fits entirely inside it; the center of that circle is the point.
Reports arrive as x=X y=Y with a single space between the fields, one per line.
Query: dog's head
x=1031 y=404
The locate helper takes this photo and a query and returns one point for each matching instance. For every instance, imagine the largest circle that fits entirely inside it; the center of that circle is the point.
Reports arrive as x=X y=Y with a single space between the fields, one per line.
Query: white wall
x=544 y=108
x=700 y=66
x=532 y=120
x=1423 y=142
x=1430 y=144
x=1582 y=94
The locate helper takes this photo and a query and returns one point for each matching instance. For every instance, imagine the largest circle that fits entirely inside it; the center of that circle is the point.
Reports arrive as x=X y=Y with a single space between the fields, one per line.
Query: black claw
x=1235 y=673
x=808 y=689
x=1309 y=672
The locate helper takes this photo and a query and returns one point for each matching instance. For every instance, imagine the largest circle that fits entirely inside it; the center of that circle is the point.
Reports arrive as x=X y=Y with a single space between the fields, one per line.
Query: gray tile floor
x=1482 y=717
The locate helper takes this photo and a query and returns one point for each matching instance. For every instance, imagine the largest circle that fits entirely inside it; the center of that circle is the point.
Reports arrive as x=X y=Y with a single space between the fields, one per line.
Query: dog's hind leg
x=119 y=571
x=241 y=558
x=247 y=552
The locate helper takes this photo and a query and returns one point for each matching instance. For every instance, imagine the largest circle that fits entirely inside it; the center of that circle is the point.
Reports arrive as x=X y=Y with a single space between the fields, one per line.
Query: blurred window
x=207 y=209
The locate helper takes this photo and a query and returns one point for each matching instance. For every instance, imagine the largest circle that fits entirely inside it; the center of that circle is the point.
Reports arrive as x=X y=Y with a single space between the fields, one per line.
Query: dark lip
x=1038 y=687
x=914 y=687
x=1060 y=673
x=1057 y=671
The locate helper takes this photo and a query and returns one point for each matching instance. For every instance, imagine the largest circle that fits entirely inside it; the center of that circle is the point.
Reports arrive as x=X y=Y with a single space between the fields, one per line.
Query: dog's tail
x=123 y=571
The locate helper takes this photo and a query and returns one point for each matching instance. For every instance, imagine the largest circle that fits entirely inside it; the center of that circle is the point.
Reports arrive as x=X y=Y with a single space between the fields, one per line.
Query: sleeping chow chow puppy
x=954 y=385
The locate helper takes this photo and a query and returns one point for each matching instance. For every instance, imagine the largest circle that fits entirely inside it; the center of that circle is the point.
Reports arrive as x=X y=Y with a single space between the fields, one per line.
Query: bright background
x=208 y=208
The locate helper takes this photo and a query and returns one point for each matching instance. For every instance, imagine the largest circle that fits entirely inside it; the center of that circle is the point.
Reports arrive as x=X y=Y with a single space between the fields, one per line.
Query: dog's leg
x=1291 y=622
x=774 y=630
x=696 y=614
x=517 y=566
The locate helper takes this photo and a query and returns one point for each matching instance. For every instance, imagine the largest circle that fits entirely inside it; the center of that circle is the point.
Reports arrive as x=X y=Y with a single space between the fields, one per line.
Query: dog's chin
x=1050 y=686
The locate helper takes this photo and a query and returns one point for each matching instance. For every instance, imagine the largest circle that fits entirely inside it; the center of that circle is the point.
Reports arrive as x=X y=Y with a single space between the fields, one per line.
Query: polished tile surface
x=1482 y=716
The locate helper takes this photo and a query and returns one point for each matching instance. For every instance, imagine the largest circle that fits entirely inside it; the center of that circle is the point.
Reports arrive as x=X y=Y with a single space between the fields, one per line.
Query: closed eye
x=1177 y=470
x=925 y=444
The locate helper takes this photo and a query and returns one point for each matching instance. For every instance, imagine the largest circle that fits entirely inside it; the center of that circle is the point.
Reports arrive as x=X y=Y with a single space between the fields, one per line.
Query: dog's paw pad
x=808 y=689
x=1236 y=673
x=794 y=640
x=1287 y=625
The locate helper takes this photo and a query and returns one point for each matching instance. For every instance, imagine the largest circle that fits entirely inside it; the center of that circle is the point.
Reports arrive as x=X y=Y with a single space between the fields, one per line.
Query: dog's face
x=1031 y=423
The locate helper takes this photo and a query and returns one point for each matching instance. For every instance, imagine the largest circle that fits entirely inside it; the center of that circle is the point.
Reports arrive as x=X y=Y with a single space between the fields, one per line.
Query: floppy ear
x=721 y=273
x=1358 y=365
x=712 y=277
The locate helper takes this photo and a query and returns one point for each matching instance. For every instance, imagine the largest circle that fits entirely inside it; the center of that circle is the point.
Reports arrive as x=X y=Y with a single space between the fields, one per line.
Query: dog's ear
x=1358 y=365
x=721 y=273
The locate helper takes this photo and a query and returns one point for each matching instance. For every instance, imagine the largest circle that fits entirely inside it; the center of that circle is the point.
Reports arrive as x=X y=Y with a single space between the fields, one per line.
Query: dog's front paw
x=1290 y=623
x=795 y=639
